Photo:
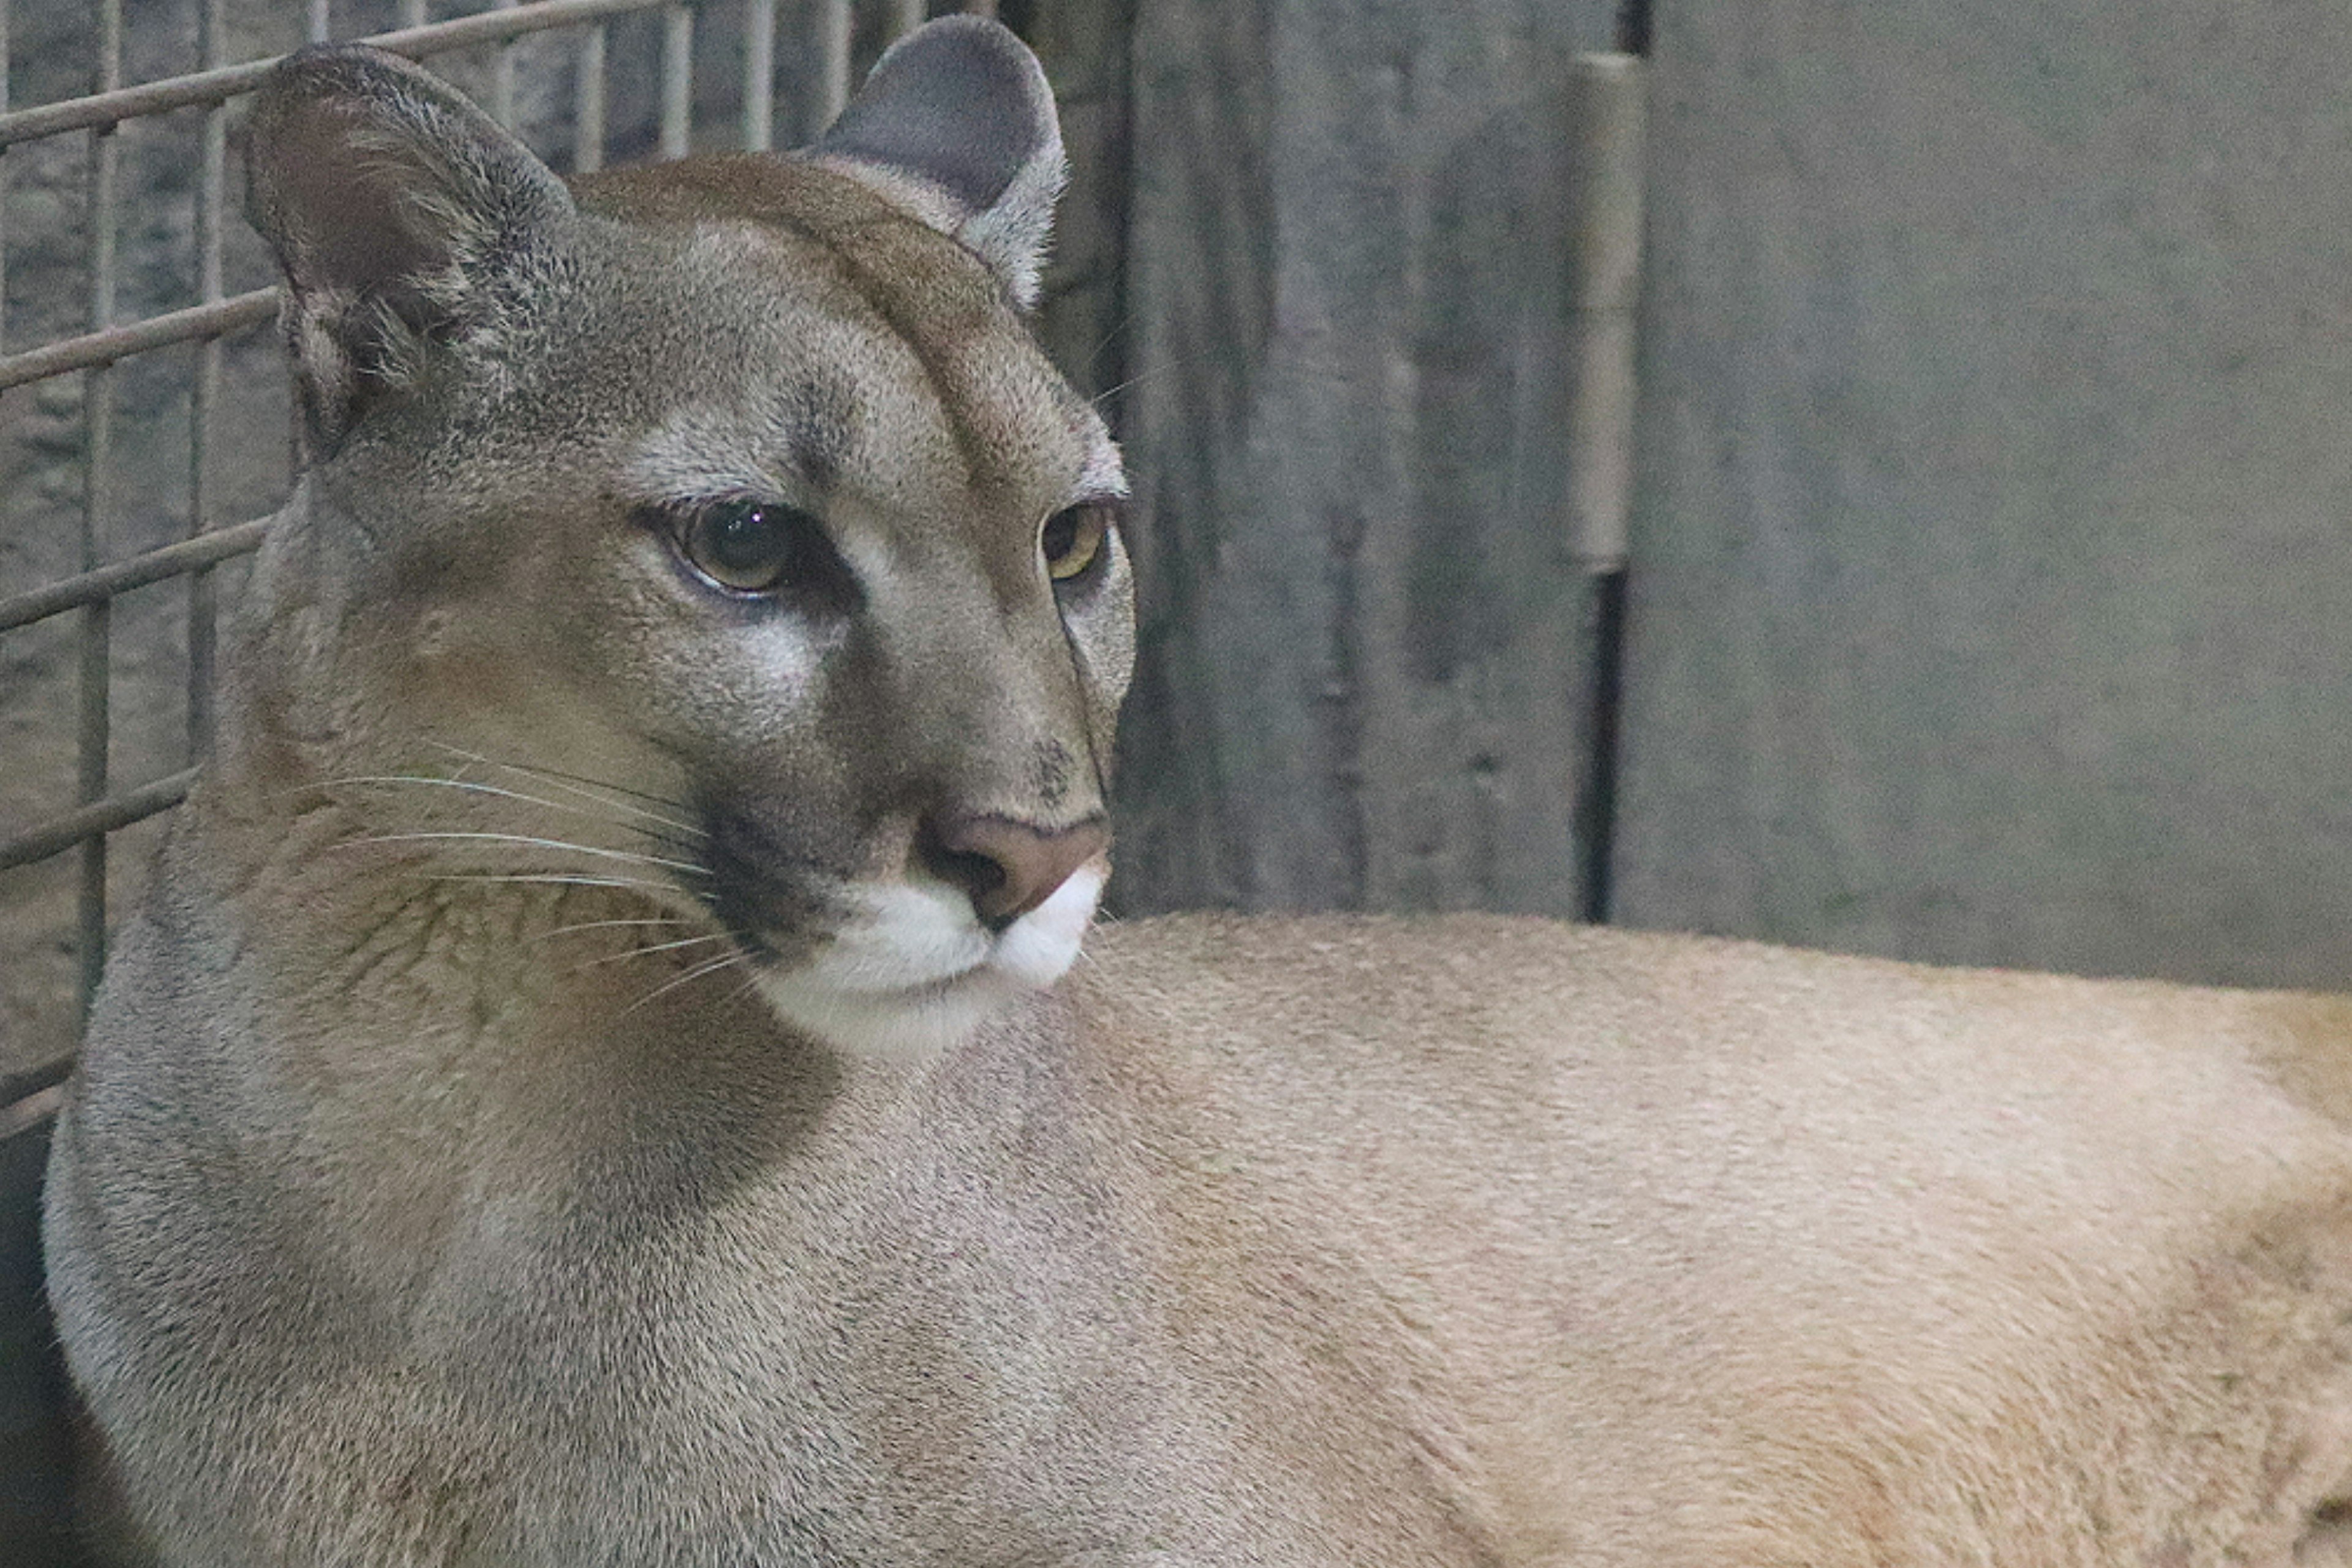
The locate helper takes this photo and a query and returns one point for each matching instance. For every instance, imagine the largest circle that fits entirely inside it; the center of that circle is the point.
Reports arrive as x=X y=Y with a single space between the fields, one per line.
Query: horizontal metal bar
x=219 y=85
x=29 y=1081
x=93 y=349
x=95 y=587
x=99 y=816
x=37 y=1107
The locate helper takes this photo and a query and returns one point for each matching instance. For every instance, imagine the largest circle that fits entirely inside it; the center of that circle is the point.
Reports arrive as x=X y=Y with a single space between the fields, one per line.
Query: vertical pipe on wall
x=1606 y=123
x=1606 y=115
x=833 y=37
x=759 y=75
x=588 y=103
x=503 y=74
x=677 y=80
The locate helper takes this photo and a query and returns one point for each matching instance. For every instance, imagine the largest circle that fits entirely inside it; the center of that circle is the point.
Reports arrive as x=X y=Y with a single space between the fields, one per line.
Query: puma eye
x=748 y=547
x=1073 y=539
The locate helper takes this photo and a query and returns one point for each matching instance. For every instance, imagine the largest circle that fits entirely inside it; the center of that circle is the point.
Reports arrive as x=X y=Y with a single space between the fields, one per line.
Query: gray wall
x=1363 y=678
x=1992 y=597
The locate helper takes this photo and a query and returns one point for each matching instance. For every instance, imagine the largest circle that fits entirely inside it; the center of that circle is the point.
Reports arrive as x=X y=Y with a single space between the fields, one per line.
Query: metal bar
x=759 y=75
x=412 y=13
x=1605 y=135
x=980 y=8
x=502 y=76
x=4 y=173
x=203 y=396
x=121 y=576
x=110 y=343
x=24 y=1115
x=322 y=26
x=94 y=820
x=114 y=106
x=905 y=16
x=588 y=104
x=833 y=39
x=98 y=438
x=677 y=80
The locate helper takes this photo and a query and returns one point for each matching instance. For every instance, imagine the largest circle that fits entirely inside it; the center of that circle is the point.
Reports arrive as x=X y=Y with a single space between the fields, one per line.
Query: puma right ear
x=962 y=108
x=403 y=216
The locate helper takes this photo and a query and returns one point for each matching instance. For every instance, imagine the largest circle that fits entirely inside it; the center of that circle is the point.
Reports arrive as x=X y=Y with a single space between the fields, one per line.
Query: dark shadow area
x=36 y=1477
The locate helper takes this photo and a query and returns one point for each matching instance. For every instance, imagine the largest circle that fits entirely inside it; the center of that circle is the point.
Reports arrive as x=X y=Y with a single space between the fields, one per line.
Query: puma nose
x=1008 y=867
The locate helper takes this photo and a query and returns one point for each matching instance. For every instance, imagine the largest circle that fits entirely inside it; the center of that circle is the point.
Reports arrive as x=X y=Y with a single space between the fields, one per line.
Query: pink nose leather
x=1009 y=867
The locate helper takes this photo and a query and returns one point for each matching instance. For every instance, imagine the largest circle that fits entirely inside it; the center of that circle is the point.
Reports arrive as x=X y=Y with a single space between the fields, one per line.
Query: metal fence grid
x=103 y=805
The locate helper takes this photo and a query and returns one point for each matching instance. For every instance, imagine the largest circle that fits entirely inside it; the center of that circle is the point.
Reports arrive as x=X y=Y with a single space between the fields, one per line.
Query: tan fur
x=407 y=1212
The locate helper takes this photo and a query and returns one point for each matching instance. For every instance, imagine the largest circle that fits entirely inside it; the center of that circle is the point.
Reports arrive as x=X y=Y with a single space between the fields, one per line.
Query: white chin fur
x=916 y=973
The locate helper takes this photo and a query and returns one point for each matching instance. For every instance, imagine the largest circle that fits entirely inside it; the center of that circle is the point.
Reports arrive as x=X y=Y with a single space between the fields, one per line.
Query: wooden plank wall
x=1364 y=672
x=1992 y=585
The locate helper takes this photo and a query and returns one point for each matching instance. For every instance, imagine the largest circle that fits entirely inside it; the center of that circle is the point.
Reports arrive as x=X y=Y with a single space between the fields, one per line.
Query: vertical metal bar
x=905 y=16
x=204 y=397
x=503 y=74
x=677 y=81
x=97 y=434
x=832 y=35
x=759 y=75
x=588 y=103
x=412 y=14
x=322 y=23
x=4 y=175
x=1606 y=127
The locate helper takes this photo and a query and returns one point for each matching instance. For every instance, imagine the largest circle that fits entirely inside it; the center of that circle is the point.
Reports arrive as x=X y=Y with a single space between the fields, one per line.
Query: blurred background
x=1873 y=476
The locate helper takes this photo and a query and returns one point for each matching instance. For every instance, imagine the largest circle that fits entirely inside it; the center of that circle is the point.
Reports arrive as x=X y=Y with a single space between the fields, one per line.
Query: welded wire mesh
x=635 y=89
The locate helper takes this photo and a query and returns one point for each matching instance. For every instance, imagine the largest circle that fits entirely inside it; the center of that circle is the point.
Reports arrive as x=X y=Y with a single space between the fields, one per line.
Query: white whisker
x=548 y=876
x=600 y=925
x=657 y=947
x=586 y=788
x=696 y=973
x=474 y=786
x=630 y=856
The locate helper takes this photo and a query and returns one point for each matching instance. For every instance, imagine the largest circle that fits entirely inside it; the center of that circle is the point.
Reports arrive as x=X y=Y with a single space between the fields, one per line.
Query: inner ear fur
x=957 y=120
x=402 y=215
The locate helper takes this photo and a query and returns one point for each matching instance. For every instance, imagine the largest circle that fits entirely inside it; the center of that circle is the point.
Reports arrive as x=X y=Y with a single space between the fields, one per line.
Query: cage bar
x=503 y=74
x=25 y=1099
x=588 y=102
x=833 y=37
x=203 y=393
x=759 y=75
x=677 y=80
x=98 y=435
x=119 y=104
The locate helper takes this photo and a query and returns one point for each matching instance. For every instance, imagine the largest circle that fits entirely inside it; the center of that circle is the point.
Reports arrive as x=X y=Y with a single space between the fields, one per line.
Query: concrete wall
x=1992 y=597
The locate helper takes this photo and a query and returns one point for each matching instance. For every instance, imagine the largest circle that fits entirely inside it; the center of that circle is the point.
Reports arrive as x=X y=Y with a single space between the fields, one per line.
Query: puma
x=605 y=1074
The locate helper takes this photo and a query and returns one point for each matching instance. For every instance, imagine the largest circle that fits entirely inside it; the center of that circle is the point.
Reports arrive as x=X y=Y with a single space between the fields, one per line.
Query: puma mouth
x=914 y=971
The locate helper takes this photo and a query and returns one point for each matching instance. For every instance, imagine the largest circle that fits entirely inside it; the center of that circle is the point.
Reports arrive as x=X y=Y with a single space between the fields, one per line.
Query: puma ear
x=962 y=108
x=404 y=218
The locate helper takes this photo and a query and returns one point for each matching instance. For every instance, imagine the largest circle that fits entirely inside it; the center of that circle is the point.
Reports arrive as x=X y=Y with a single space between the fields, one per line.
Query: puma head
x=714 y=531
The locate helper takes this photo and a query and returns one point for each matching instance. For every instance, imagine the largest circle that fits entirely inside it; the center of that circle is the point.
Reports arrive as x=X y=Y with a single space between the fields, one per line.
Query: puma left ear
x=958 y=120
x=406 y=221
